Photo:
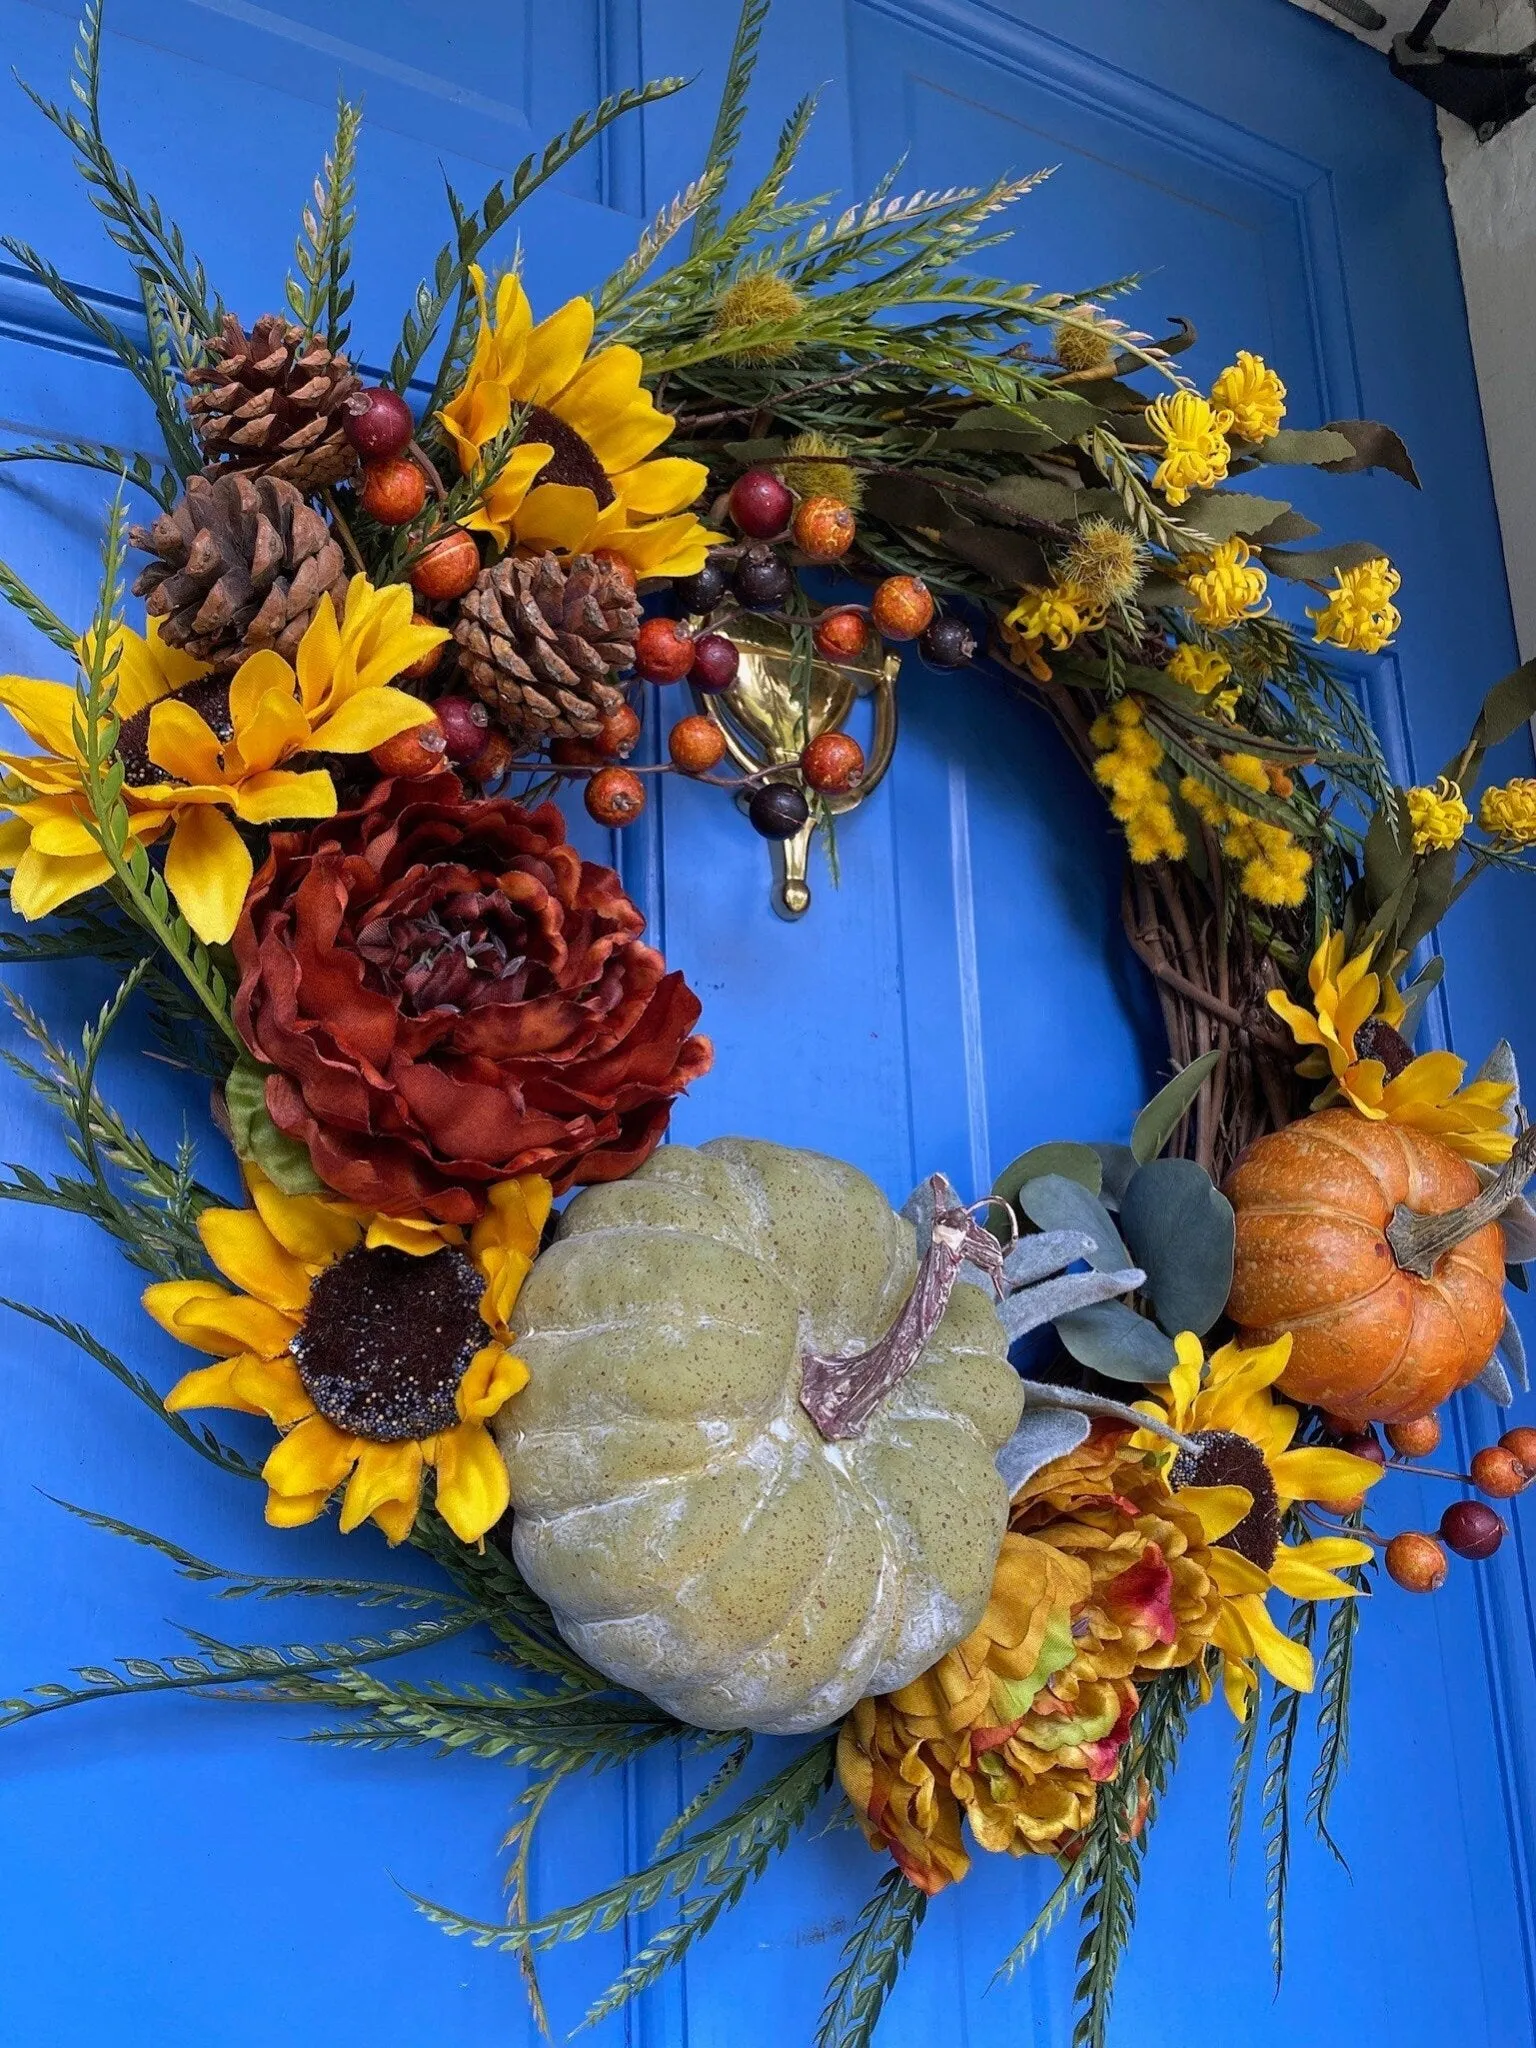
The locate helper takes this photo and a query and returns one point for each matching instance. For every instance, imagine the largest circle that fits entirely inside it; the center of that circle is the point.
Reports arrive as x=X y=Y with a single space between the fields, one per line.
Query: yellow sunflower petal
x=248 y=1255
x=42 y=881
x=275 y=728
x=261 y=677
x=311 y=1227
x=490 y=1380
x=1321 y=1475
x=1290 y=1662
x=1184 y=1380
x=1302 y=1579
x=211 y=1386
x=472 y=1491
x=293 y=1511
x=184 y=745
x=383 y=1473
x=149 y=669
x=210 y=1318
x=371 y=717
x=1239 y=1681
x=414 y=1234
x=667 y=547
x=515 y=1215
x=555 y=351
x=315 y=1457
x=44 y=711
x=208 y=870
x=558 y=516
x=1430 y=1078
x=501 y=503
x=315 y=662
x=274 y=1385
x=1237 y=1576
x=15 y=838
x=1220 y=1508
x=656 y=488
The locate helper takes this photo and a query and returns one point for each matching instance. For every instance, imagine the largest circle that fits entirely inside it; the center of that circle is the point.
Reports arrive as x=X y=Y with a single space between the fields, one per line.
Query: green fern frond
x=320 y=297
x=732 y=113
x=871 y=1962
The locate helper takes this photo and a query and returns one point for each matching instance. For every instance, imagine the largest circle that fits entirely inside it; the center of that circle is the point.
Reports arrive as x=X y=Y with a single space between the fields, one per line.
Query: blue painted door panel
x=182 y=1872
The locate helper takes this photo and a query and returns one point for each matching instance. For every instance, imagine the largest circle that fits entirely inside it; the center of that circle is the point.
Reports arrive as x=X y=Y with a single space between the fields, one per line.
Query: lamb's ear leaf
x=1161 y=1117
x=1493 y=1381
x=282 y=1159
x=1043 y=1435
x=1511 y=1351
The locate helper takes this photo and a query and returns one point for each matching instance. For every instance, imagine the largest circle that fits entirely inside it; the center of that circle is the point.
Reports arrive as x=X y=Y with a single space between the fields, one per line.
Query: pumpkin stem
x=840 y=1394
x=1420 y=1242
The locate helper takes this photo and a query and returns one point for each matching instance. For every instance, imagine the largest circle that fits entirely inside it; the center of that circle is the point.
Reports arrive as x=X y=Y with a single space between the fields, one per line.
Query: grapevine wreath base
x=976 y=1501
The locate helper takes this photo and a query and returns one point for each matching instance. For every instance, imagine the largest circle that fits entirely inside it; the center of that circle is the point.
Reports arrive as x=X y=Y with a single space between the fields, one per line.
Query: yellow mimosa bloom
x=1225 y=585
x=1194 y=437
x=582 y=477
x=1509 y=812
x=1138 y=797
x=1240 y=1480
x=1360 y=614
x=195 y=745
x=1438 y=815
x=378 y=1345
x=1252 y=394
x=1201 y=669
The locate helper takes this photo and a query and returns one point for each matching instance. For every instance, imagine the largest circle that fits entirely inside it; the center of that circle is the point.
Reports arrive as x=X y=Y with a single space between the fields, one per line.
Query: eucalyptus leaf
x=1183 y=1233
x=1511 y=1348
x=284 y=1160
x=1031 y=1308
x=1043 y=1435
x=1117 y=1163
x=1308 y=446
x=1055 y=1203
x=1162 y=1115
x=1076 y=1162
x=1110 y=1339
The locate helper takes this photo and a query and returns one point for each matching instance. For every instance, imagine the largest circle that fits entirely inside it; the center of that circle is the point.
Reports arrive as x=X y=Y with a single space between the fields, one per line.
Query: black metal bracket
x=1486 y=89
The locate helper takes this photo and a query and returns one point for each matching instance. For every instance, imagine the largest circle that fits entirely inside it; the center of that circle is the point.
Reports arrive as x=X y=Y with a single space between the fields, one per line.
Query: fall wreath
x=980 y=1499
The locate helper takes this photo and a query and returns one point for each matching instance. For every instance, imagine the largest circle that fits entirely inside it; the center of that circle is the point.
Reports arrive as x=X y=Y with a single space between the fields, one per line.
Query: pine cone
x=270 y=403
x=540 y=641
x=242 y=564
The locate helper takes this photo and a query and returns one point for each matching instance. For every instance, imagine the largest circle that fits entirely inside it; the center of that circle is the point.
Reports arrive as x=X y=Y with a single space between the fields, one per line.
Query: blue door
x=180 y=1871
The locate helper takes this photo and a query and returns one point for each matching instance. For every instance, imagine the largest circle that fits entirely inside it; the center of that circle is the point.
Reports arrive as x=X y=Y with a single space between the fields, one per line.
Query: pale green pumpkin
x=695 y=1535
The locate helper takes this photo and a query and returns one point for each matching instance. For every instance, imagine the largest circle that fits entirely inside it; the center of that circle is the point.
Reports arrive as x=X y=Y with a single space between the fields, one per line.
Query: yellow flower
x=1253 y=395
x=1272 y=868
x=194 y=745
x=1424 y=1094
x=1225 y=702
x=581 y=479
x=1240 y=1481
x=1139 y=797
x=1360 y=614
x=1056 y=614
x=1225 y=585
x=377 y=1344
x=1509 y=812
x=1201 y=669
x=1194 y=438
x=1439 y=817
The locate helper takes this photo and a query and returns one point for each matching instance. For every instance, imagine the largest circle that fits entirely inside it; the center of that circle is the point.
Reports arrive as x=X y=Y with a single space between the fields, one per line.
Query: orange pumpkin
x=1370 y=1341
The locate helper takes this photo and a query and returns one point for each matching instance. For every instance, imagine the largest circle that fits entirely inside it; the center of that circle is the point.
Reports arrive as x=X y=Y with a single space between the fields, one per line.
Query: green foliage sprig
x=319 y=298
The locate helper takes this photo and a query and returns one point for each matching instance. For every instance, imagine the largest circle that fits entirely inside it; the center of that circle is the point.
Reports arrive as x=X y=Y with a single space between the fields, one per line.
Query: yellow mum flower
x=1360 y=614
x=194 y=745
x=1201 y=669
x=1194 y=438
x=1353 y=1039
x=1509 y=812
x=1439 y=817
x=377 y=1344
x=1252 y=394
x=1240 y=1480
x=582 y=477
x=1054 y=614
x=1225 y=585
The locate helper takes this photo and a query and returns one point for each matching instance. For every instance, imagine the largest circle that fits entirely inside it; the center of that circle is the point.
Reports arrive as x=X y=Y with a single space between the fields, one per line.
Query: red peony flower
x=449 y=995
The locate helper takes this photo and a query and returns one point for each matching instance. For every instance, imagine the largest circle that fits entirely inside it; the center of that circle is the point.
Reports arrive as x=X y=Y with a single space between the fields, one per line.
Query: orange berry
x=901 y=607
x=696 y=744
x=1521 y=1444
x=1416 y=1562
x=833 y=763
x=615 y=796
x=616 y=562
x=493 y=759
x=1415 y=1439
x=615 y=737
x=1497 y=1472
x=393 y=490
x=663 y=651
x=841 y=636
x=421 y=750
x=448 y=567
x=823 y=529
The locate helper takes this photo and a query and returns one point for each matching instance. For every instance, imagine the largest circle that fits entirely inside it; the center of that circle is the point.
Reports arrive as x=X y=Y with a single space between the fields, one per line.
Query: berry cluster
x=1415 y=1561
x=396 y=480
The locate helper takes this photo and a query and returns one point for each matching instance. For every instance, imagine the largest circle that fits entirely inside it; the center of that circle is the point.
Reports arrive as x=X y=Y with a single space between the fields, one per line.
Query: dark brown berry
x=947 y=643
x=466 y=727
x=703 y=591
x=696 y=744
x=833 y=763
x=761 y=504
x=394 y=490
x=1472 y=1529
x=615 y=796
x=1416 y=1562
x=761 y=579
x=1415 y=1439
x=778 y=810
x=716 y=662
x=378 y=423
x=1497 y=1472
x=663 y=651
x=448 y=567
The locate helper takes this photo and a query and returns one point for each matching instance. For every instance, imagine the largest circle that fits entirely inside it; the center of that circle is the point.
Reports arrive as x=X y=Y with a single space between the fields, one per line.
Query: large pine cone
x=270 y=403
x=241 y=563
x=541 y=640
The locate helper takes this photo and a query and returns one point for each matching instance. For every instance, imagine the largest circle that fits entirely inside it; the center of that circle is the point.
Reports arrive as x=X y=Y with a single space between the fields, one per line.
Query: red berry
x=615 y=796
x=761 y=504
x=824 y=529
x=716 y=662
x=615 y=737
x=1472 y=1529
x=696 y=744
x=378 y=423
x=448 y=567
x=841 y=636
x=1521 y=1444
x=394 y=490
x=901 y=607
x=1499 y=1473
x=419 y=751
x=1364 y=1444
x=1415 y=1439
x=833 y=763
x=466 y=727
x=663 y=651
x=424 y=664
x=1416 y=1562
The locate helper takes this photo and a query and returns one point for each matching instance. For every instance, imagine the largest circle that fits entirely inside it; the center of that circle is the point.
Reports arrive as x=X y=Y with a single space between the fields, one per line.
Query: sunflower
x=194 y=745
x=377 y=1344
x=580 y=479
x=1240 y=1479
x=1352 y=1029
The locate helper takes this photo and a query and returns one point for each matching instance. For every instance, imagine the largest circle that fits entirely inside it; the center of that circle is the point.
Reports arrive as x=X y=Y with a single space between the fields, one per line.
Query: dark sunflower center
x=1226 y=1459
x=1376 y=1040
x=386 y=1339
x=573 y=461
x=208 y=697
x=453 y=948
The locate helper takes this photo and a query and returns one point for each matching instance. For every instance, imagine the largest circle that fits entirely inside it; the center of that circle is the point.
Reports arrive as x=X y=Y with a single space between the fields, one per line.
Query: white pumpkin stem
x=1420 y=1242
x=841 y=1394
